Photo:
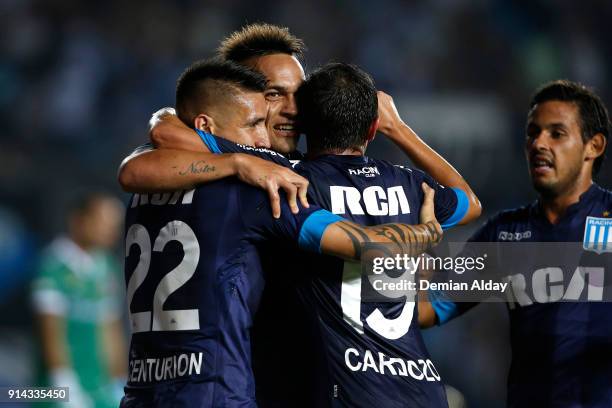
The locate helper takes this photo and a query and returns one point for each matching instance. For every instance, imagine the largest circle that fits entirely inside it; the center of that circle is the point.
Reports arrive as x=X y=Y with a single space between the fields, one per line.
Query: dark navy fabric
x=561 y=351
x=305 y=353
x=210 y=266
x=358 y=365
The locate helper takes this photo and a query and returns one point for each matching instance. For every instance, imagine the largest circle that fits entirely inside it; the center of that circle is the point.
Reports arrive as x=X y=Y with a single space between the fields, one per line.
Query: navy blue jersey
x=561 y=351
x=194 y=281
x=313 y=332
x=369 y=354
x=219 y=145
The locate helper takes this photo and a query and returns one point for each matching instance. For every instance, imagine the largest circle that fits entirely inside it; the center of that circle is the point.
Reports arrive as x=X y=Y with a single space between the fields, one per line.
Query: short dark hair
x=82 y=201
x=593 y=113
x=259 y=39
x=209 y=82
x=337 y=105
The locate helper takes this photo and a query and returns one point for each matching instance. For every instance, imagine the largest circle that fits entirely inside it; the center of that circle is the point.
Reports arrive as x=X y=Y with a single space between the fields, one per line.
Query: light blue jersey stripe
x=445 y=309
x=209 y=141
x=462 y=208
x=587 y=236
x=313 y=229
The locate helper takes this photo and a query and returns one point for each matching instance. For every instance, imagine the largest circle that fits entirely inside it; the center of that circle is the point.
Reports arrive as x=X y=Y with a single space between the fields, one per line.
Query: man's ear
x=373 y=129
x=596 y=146
x=205 y=123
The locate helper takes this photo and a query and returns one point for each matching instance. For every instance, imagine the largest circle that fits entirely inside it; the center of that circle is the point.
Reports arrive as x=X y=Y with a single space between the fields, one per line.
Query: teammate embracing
x=272 y=51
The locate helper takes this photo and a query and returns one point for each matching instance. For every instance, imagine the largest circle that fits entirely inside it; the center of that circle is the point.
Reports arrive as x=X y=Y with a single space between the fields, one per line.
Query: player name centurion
x=165 y=368
x=408 y=285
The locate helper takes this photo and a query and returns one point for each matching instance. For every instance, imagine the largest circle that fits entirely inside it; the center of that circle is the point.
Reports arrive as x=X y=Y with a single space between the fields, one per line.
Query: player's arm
x=114 y=347
x=49 y=309
x=168 y=169
x=53 y=341
x=167 y=131
x=427 y=314
x=423 y=156
x=345 y=239
x=435 y=307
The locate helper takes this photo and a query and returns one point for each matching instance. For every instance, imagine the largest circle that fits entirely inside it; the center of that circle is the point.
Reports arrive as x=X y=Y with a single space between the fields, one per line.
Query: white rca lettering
x=376 y=200
x=548 y=286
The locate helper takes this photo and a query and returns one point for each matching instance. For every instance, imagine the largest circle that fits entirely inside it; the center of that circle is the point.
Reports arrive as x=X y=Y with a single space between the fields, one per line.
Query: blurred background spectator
x=79 y=81
x=76 y=295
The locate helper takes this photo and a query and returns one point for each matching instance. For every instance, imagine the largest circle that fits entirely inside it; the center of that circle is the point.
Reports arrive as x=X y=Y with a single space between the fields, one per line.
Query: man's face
x=554 y=147
x=243 y=121
x=99 y=226
x=285 y=75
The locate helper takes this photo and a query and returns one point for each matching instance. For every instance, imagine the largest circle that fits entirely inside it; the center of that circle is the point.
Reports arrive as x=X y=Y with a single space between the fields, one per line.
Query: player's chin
x=543 y=185
x=285 y=145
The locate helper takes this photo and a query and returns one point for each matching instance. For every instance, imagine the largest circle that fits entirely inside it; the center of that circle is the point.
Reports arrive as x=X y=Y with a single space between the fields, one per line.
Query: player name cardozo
x=408 y=285
x=165 y=368
x=422 y=370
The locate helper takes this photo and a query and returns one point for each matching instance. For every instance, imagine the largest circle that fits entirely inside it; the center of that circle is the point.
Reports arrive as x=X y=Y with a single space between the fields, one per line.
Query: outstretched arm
x=167 y=131
x=345 y=239
x=423 y=156
x=184 y=162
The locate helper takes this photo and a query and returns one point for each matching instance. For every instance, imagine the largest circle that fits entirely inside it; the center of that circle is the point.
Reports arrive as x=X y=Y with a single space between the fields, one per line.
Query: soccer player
x=276 y=53
x=77 y=308
x=193 y=270
x=560 y=350
x=273 y=51
x=365 y=353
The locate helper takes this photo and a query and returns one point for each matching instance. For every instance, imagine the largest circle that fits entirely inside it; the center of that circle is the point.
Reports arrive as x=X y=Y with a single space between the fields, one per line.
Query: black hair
x=337 y=105
x=593 y=113
x=81 y=201
x=208 y=82
x=255 y=40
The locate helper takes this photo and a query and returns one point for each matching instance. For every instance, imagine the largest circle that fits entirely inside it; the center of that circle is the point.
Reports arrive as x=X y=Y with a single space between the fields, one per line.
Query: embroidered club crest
x=598 y=235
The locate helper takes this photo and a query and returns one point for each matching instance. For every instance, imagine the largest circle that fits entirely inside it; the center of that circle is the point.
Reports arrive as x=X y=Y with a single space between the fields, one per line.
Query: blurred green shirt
x=83 y=288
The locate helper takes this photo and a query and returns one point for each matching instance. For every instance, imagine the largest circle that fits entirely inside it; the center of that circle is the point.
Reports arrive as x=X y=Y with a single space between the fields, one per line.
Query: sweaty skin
x=423 y=156
x=560 y=162
x=285 y=75
x=560 y=165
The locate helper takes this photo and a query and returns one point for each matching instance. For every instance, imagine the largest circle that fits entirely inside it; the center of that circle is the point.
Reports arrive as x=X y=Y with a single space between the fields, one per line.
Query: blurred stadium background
x=79 y=80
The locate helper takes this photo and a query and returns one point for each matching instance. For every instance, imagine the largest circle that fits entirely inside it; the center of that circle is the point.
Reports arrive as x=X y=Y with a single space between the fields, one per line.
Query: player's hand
x=272 y=177
x=428 y=215
x=388 y=116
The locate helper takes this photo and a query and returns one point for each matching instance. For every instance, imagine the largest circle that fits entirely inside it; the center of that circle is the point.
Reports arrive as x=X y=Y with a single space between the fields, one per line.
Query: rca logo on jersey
x=513 y=236
x=364 y=171
x=553 y=284
x=376 y=199
x=598 y=235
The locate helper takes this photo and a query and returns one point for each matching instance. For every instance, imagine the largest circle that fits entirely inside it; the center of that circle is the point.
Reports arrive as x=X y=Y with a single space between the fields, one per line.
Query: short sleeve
x=303 y=230
x=451 y=204
x=445 y=308
x=49 y=291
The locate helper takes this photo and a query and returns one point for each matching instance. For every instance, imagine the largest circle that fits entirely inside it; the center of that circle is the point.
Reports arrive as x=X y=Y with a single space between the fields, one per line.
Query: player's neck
x=555 y=206
x=82 y=244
